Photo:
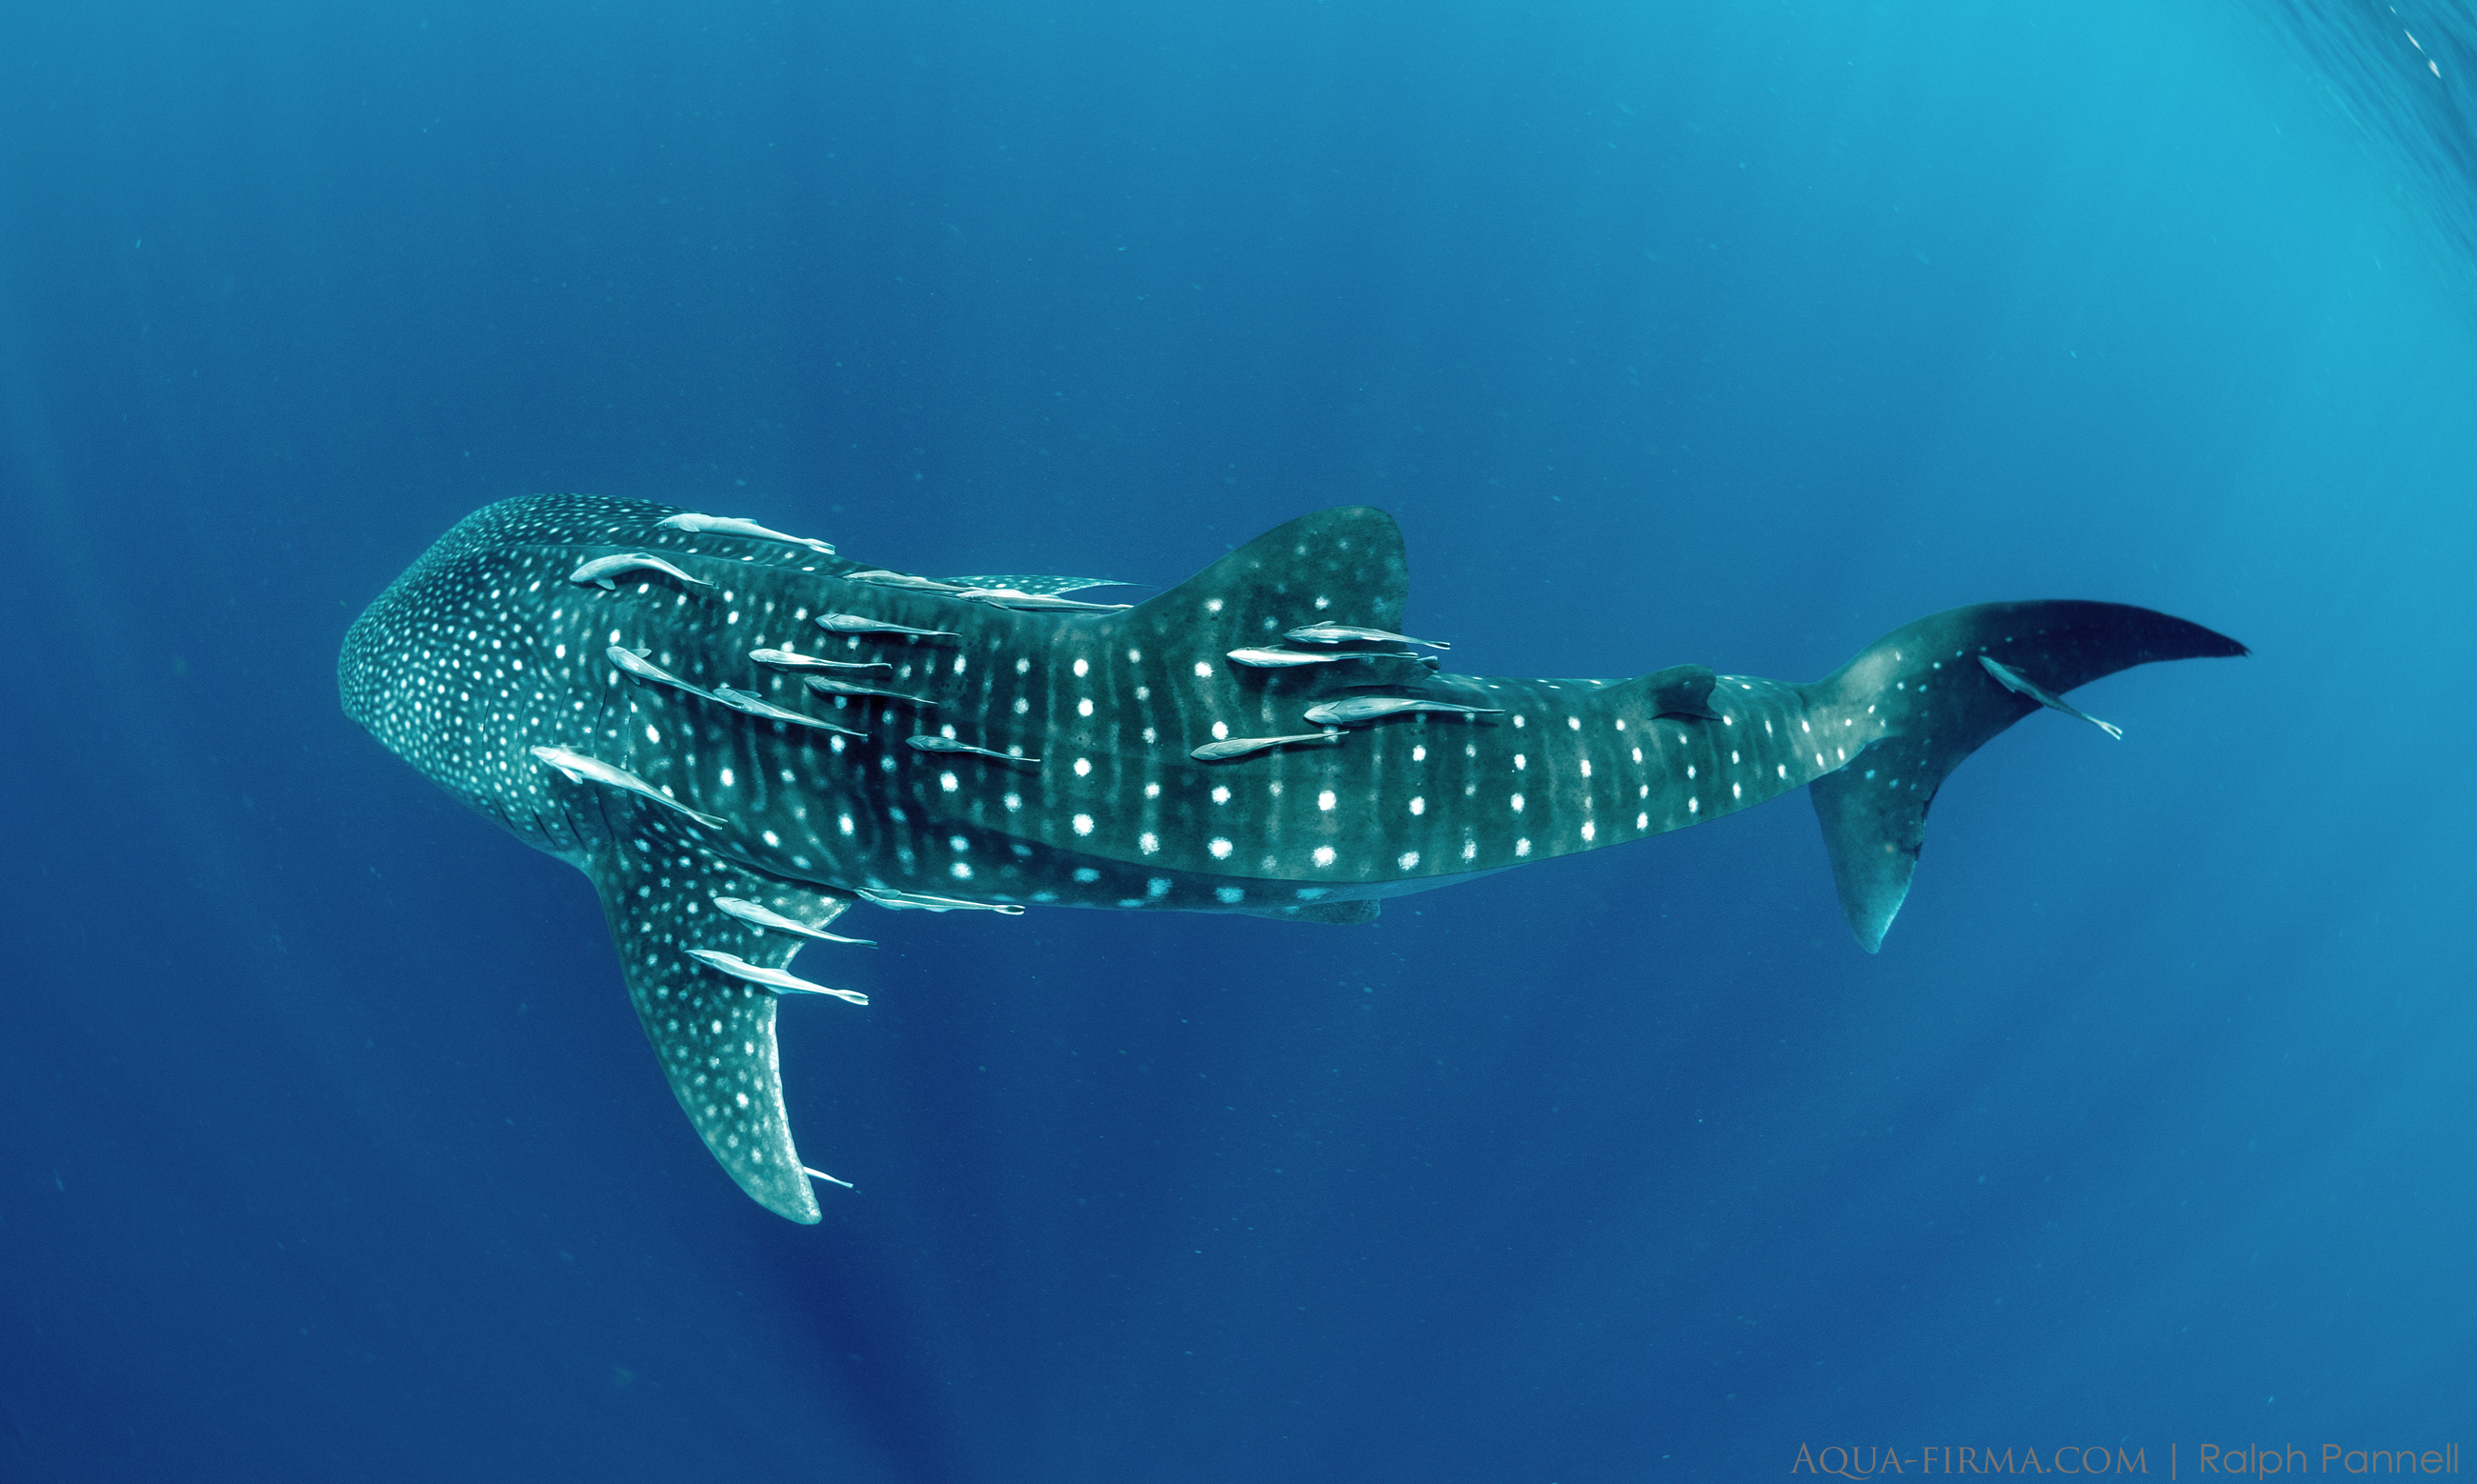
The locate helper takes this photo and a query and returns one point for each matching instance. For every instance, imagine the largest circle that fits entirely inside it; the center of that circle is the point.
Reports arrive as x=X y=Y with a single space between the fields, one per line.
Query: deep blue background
x=1728 y=333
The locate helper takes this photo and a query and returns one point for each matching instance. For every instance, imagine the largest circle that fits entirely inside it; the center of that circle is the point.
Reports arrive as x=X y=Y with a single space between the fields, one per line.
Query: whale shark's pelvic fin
x=713 y=1030
x=1928 y=681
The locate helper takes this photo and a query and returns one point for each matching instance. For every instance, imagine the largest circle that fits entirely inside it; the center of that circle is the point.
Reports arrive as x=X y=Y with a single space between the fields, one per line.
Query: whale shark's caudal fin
x=1931 y=682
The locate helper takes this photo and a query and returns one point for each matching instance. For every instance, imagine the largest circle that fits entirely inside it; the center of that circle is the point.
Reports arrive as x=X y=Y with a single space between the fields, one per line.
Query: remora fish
x=828 y=685
x=2012 y=679
x=1036 y=602
x=790 y=659
x=755 y=705
x=775 y=980
x=921 y=902
x=861 y=623
x=578 y=768
x=1292 y=659
x=933 y=744
x=1240 y=747
x=522 y=715
x=635 y=663
x=1351 y=711
x=603 y=572
x=1353 y=633
x=763 y=916
x=882 y=578
x=734 y=526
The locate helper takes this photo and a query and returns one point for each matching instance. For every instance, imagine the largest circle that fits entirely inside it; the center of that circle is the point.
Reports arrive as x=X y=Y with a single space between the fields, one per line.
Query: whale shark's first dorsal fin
x=714 y=1032
x=1341 y=566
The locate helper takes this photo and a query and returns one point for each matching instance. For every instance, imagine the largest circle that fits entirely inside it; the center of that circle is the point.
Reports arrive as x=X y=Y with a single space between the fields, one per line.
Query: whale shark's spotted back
x=738 y=733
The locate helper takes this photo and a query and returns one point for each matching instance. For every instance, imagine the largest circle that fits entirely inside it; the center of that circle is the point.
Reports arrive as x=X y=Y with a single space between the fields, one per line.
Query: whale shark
x=739 y=734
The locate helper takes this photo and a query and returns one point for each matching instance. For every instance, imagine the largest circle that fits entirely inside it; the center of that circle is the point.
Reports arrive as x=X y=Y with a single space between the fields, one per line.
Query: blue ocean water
x=1736 y=334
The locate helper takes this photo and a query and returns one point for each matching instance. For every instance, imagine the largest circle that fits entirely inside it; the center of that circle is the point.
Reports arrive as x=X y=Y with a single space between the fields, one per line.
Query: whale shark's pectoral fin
x=713 y=1030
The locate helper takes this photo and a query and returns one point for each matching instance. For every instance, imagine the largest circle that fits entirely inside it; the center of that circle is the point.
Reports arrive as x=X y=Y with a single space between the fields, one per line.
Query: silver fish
x=581 y=769
x=601 y=570
x=882 y=578
x=635 y=663
x=1040 y=587
x=758 y=915
x=1022 y=602
x=734 y=526
x=1283 y=659
x=853 y=622
x=907 y=901
x=774 y=979
x=790 y=659
x=2013 y=679
x=928 y=744
x=751 y=704
x=1345 y=634
x=1240 y=747
x=828 y=685
x=1355 y=709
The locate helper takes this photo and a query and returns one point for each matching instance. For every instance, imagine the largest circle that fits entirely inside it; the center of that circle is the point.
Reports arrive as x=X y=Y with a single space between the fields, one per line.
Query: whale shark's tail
x=1944 y=686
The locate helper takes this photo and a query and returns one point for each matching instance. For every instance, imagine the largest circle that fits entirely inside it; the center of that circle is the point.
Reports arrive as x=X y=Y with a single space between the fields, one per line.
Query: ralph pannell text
x=2208 y=1459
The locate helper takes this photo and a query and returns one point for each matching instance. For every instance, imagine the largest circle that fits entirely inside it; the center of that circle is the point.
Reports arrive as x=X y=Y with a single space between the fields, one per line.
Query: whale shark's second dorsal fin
x=713 y=1030
x=1680 y=690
